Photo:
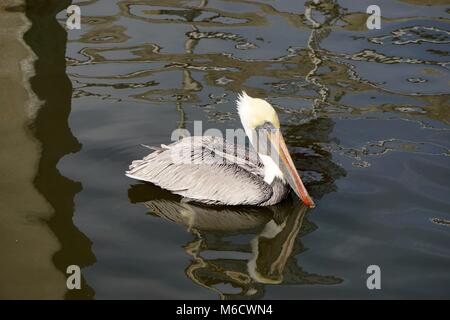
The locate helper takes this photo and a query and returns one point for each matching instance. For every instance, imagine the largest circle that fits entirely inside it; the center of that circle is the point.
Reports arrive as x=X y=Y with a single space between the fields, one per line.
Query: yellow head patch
x=255 y=112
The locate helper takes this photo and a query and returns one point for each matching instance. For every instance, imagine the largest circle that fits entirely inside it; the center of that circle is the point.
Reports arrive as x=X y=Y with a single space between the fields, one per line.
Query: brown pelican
x=210 y=170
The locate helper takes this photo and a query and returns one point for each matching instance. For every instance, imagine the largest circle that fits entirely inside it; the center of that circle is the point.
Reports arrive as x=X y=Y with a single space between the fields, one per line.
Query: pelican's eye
x=266 y=126
x=263 y=131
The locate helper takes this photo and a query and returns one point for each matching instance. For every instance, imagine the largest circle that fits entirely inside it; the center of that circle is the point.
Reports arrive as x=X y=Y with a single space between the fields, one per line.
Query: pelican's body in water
x=210 y=170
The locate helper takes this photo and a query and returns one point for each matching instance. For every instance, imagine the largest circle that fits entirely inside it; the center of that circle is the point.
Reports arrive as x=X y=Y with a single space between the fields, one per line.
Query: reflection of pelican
x=263 y=253
x=204 y=219
x=273 y=246
x=210 y=170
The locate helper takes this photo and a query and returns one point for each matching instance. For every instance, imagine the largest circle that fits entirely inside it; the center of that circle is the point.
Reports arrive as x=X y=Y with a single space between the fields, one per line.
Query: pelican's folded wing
x=206 y=170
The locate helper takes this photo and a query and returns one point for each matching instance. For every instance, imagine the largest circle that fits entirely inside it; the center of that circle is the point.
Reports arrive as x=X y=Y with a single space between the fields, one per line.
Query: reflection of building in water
x=297 y=70
x=48 y=40
x=319 y=171
x=26 y=243
x=267 y=237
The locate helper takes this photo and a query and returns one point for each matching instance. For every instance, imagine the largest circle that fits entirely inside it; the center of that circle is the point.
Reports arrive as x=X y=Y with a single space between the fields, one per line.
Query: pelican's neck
x=271 y=169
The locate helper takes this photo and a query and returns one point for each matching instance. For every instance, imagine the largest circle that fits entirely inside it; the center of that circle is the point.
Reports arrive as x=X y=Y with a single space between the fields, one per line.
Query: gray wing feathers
x=206 y=170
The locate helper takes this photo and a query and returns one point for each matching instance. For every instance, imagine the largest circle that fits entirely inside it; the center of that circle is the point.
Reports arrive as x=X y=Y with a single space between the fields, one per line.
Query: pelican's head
x=262 y=126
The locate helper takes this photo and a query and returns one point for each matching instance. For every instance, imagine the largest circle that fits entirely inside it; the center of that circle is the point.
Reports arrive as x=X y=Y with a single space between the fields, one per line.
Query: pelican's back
x=207 y=170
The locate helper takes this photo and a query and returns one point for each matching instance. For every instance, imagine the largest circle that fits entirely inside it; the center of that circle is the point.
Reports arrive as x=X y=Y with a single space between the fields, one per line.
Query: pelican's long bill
x=287 y=166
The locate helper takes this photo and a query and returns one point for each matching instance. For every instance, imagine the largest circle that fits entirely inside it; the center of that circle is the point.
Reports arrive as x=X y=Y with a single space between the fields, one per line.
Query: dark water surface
x=365 y=114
